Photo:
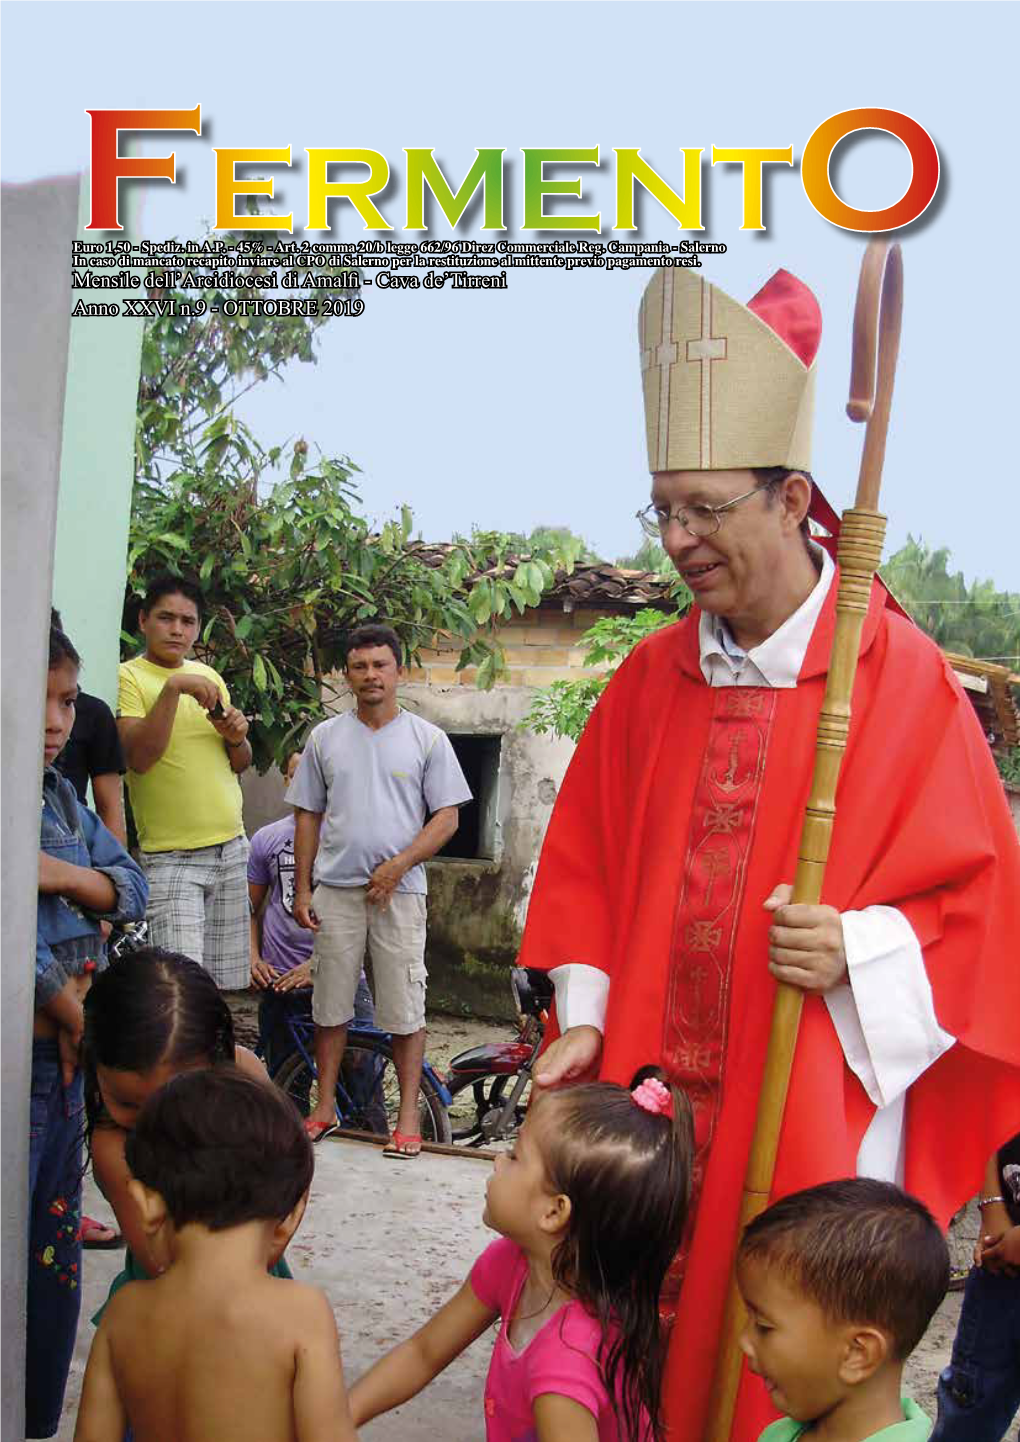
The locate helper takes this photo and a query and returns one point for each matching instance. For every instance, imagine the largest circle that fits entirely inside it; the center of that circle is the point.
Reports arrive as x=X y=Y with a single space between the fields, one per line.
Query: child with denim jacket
x=85 y=876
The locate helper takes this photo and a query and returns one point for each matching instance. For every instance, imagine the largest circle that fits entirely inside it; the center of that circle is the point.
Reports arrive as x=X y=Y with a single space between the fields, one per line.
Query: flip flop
x=317 y=1130
x=400 y=1146
x=98 y=1236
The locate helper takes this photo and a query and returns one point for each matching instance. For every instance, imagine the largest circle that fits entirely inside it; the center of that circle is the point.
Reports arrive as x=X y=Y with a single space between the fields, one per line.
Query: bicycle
x=499 y=1106
x=367 y=1091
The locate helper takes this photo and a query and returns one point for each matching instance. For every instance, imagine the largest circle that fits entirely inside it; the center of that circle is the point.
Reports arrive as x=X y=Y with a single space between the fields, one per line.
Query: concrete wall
x=39 y=223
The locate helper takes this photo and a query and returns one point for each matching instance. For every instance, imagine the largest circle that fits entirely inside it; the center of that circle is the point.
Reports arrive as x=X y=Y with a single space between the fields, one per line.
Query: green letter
x=536 y=186
x=422 y=170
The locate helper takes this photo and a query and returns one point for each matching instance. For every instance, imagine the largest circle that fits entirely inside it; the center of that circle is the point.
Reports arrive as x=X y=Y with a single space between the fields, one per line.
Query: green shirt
x=915 y=1428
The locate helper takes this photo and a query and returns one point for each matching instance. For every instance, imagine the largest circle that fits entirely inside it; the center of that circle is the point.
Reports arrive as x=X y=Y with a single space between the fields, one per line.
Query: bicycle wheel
x=367 y=1093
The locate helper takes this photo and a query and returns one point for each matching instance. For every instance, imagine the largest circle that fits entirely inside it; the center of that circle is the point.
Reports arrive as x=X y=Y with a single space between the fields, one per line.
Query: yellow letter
x=422 y=170
x=631 y=167
x=356 y=191
x=752 y=160
x=227 y=186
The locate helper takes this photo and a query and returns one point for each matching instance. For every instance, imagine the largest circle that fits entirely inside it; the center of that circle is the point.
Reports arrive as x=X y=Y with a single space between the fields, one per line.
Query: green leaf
x=480 y=602
x=258 y=673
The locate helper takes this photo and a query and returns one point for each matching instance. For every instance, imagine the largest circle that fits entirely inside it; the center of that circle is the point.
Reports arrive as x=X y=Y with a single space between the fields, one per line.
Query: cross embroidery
x=697 y=974
x=743 y=701
x=702 y=936
x=704 y=351
x=725 y=817
x=716 y=864
x=663 y=356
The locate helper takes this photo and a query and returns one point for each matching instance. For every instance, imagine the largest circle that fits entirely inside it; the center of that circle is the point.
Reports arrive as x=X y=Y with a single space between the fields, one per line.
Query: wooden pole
x=876 y=326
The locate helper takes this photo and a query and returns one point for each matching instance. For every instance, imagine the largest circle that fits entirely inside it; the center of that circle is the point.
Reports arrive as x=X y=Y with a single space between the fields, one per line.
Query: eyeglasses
x=700 y=521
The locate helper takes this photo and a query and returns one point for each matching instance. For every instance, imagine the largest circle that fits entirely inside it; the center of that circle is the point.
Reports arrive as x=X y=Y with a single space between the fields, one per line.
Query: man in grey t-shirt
x=367 y=782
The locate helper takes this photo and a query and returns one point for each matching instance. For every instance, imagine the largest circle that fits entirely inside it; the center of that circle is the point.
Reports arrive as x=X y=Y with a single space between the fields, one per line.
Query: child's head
x=151 y=1015
x=840 y=1282
x=290 y=764
x=221 y=1149
x=61 y=694
x=600 y=1180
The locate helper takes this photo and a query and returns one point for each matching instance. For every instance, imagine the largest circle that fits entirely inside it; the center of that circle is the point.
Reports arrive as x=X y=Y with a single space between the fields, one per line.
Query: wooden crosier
x=862 y=532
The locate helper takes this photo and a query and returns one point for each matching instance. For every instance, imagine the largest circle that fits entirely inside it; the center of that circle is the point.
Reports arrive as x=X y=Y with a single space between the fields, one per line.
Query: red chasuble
x=679 y=814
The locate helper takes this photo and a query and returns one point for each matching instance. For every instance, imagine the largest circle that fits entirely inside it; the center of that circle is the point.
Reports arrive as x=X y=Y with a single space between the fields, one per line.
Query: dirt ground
x=389 y=1241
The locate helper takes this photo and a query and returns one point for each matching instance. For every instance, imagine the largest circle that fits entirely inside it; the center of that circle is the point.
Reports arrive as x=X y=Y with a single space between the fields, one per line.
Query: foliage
x=560 y=539
x=564 y=537
x=649 y=556
x=1008 y=763
x=287 y=570
x=563 y=708
x=975 y=620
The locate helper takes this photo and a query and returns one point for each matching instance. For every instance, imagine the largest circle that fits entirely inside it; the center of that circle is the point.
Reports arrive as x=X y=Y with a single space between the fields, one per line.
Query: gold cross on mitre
x=721 y=389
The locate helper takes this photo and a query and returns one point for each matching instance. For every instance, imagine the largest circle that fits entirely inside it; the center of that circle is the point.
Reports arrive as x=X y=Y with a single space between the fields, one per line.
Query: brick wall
x=541 y=647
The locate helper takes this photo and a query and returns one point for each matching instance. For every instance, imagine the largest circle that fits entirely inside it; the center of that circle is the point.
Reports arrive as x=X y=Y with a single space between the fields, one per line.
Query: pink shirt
x=562 y=1357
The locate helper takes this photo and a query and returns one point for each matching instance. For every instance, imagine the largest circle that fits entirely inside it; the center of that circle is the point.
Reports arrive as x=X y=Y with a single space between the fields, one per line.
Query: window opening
x=477 y=833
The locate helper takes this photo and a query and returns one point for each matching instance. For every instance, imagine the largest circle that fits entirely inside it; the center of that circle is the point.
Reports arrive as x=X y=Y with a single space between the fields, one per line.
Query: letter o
x=231 y=307
x=924 y=181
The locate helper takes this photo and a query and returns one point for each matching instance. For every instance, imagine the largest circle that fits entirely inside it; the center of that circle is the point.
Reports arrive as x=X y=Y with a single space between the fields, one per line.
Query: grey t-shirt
x=374 y=790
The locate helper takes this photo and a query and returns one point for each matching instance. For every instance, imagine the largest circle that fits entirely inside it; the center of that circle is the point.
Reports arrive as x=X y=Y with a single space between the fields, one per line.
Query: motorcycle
x=498 y=1074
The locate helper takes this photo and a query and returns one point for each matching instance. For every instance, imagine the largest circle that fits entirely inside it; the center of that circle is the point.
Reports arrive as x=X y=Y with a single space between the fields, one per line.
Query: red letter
x=814 y=170
x=108 y=166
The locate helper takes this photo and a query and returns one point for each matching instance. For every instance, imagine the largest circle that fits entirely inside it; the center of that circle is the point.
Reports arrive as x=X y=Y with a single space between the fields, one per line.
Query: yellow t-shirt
x=190 y=797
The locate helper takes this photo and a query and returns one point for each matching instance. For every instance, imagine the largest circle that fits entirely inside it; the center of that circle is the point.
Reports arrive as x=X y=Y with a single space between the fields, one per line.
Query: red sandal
x=317 y=1130
x=97 y=1236
x=402 y=1146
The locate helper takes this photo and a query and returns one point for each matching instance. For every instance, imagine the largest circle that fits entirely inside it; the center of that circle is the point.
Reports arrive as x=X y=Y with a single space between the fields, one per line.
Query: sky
x=513 y=408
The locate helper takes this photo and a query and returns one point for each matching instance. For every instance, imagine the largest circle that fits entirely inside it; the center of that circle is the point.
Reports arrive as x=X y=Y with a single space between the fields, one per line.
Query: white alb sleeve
x=582 y=993
x=884 y=1014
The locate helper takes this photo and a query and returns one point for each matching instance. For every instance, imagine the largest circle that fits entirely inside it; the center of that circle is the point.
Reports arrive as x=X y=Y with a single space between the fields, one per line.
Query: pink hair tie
x=652 y=1096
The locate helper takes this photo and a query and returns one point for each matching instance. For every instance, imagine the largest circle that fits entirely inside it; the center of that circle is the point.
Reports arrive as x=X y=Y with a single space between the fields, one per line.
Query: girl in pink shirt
x=590 y=1204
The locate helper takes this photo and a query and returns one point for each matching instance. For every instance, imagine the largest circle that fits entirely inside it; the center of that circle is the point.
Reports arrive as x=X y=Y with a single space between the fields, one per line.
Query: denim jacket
x=67 y=936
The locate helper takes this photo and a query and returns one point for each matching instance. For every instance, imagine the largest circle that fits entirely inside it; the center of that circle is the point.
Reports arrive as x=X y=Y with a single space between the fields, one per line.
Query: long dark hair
x=150 y=1008
x=627 y=1174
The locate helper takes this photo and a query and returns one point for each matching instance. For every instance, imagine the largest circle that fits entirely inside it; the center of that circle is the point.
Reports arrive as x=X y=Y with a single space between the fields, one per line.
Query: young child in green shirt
x=840 y=1282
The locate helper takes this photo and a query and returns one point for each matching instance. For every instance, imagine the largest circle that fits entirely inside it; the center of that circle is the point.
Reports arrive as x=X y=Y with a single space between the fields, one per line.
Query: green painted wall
x=96 y=476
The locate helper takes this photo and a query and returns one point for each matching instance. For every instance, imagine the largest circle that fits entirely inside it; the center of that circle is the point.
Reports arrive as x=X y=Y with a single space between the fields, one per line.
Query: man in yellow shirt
x=185 y=744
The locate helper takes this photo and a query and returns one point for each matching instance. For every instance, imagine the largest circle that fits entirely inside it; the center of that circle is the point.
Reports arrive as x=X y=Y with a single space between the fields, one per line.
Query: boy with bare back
x=214 y=1347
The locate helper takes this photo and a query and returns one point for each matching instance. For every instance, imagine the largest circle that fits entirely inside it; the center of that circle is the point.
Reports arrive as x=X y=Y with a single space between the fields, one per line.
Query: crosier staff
x=876 y=327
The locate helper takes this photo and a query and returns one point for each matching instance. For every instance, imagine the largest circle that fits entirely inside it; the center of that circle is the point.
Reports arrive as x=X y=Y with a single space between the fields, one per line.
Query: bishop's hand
x=805 y=943
x=572 y=1057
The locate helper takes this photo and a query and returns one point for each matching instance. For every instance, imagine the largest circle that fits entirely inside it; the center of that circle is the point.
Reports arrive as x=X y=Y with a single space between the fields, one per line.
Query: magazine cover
x=349 y=312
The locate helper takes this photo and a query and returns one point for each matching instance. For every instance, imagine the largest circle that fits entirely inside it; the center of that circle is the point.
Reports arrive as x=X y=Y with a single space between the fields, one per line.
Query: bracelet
x=233 y=745
x=987 y=1201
